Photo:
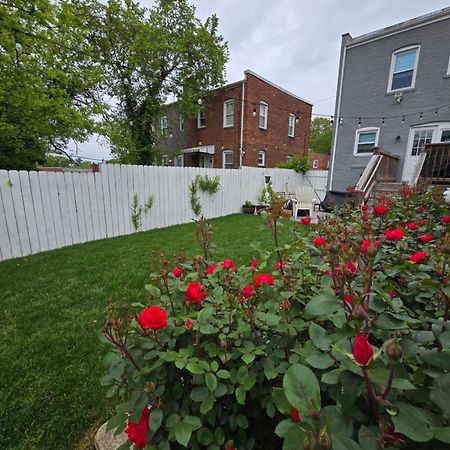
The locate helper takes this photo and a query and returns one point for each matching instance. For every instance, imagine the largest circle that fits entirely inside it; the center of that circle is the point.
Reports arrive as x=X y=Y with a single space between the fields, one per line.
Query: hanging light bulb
x=200 y=101
x=359 y=122
x=331 y=120
x=19 y=47
x=340 y=120
x=403 y=119
x=436 y=112
x=421 y=116
x=382 y=121
x=254 y=112
x=297 y=119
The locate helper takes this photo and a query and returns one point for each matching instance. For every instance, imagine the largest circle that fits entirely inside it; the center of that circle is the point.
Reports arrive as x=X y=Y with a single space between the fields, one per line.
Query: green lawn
x=52 y=309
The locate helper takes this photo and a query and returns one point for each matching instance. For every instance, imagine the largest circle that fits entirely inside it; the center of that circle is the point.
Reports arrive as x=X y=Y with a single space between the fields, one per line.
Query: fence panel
x=45 y=210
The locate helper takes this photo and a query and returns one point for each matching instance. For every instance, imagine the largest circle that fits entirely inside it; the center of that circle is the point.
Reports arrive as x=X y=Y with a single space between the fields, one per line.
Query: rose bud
x=307 y=444
x=189 y=324
x=286 y=304
x=223 y=343
x=116 y=324
x=323 y=439
x=296 y=416
x=394 y=351
x=362 y=350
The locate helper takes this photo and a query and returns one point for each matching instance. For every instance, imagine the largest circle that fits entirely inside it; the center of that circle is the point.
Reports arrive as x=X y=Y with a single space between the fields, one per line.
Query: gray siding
x=364 y=94
x=172 y=145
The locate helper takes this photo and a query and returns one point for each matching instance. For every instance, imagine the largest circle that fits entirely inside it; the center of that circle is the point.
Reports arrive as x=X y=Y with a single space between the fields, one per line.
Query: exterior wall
x=274 y=140
x=365 y=80
x=175 y=140
x=322 y=159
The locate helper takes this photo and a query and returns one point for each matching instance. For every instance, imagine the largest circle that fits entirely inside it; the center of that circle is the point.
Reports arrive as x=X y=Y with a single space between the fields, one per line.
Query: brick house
x=251 y=122
x=318 y=161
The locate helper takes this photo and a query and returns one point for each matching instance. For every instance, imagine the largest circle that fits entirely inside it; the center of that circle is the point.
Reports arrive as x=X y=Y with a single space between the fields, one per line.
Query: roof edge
x=250 y=72
x=416 y=22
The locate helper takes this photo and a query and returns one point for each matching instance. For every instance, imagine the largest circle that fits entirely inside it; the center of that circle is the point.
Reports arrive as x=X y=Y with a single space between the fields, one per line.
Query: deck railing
x=436 y=165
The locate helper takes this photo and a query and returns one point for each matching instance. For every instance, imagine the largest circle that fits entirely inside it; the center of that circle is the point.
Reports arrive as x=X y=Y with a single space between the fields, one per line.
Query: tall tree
x=321 y=135
x=150 y=56
x=49 y=82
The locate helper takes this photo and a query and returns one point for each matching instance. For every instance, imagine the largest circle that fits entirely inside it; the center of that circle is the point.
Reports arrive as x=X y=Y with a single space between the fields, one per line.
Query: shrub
x=339 y=342
x=299 y=164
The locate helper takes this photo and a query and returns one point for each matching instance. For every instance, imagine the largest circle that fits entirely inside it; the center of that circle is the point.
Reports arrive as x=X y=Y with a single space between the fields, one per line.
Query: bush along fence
x=340 y=340
x=45 y=210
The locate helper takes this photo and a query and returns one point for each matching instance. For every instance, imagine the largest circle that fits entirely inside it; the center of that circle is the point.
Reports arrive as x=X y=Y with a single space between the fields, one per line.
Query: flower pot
x=248 y=209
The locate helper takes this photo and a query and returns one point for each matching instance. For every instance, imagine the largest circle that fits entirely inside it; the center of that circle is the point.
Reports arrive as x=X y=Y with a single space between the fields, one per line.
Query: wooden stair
x=386 y=187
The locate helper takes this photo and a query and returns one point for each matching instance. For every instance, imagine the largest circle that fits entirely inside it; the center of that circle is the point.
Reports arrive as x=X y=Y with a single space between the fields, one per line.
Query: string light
x=331 y=120
x=340 y=120
x=436 y=112
x=359 y=122
x=403 y=119
x=421 y=116
x=382 y=121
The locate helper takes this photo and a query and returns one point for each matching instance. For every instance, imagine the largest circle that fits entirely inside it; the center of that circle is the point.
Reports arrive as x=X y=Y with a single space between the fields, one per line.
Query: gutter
x=241 y=148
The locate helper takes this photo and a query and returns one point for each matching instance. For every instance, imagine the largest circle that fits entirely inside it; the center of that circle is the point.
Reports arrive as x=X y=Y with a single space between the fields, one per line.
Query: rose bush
x=346 y=345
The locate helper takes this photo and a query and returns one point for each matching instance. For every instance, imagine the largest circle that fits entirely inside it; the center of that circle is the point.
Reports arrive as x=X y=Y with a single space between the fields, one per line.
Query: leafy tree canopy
x=60 y=61
x=321 y=135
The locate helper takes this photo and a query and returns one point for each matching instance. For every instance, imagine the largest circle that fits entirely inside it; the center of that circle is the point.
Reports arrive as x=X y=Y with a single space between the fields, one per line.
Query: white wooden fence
x=41 y=211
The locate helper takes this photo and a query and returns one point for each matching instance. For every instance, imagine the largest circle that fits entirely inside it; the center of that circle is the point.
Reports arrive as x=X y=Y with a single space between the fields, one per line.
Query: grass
x=52 y=310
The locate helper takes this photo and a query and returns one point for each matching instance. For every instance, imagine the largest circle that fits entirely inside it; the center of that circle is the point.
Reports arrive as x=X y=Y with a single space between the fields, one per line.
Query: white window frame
x=224 y=154
x=365 y=130
x=226 y=115
x=391 y=71
x=164 y=126
x=179 y=161
x=315 y=164
x=263 y=107
x=165 y=160
x=288 y=158
x=448 y=67
x=291 y=125
x=201 y=116
x=263 y=154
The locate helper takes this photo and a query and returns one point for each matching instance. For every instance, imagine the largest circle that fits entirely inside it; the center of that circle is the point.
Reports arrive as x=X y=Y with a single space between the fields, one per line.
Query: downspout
x=337 y=114
x=241 y=148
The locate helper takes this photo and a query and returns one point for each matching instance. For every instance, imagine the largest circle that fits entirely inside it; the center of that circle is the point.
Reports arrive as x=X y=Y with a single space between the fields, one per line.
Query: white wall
x=41 y=211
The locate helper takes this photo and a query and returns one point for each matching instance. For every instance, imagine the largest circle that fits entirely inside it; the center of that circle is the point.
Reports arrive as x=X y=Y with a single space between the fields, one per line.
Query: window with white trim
x=179 y=161
x=403 y=68
x=291 y=125
x=288 y=158
x=228 y=113
x=261 y=158
x=315 y=164
x=201 y=119
x=448 y=67
x=263 y=113
x=165 y=160
x=366 y=140
x=163 y=126
x=420 y=138
x=445 y=136
x=227 y=159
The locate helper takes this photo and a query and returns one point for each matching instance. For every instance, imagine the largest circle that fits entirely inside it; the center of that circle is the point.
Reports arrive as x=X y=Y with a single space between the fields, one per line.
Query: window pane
x=405 y=61
x=367 y=138
x=402 y=79
x=445 y=136
x=365 y=148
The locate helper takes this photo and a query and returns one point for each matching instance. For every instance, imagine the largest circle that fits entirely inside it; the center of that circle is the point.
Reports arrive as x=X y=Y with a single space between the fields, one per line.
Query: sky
x=294 y=43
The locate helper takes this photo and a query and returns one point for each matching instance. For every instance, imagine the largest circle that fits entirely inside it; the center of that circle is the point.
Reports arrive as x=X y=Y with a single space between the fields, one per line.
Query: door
x=206 y=161
x=417 y=138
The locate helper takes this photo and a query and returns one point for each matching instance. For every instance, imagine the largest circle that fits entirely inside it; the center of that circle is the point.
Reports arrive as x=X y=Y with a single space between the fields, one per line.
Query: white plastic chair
x=304 y=204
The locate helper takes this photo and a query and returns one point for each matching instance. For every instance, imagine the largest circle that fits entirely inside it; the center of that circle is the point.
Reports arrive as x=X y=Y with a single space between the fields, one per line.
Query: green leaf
x=214 y=366
x=116 y=369
x=153 y=290
x=412 y=422
x=199 y=393
x=331 y=377
x=211 y=381
x=242 y=421
x=240 y=395
x=436 y=358
x=182 y=433
x=242 y=374
x=442 y=434
x=248 y=358
x=193 y=421
x=300 y=384
x=444 y=339
x=207 y=404
x=322 y=304
x=342 y=442
x=280 y=401
x=380 y=377
x=320 y=360
x=156 y=417
x=195 y=368
x=205 y=436
x=319 y=336
x=106 y=380
x=224 y=374
x=440 y=394
x=283 y=427
x=219 y=436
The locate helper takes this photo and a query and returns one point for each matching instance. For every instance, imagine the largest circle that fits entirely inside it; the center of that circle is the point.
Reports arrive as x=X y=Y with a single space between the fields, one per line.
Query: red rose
x=364 y=208
x=348 y=299
x=418 y=257
x=320 y=241
x=421 y=209
x=380 y=210
x=178 y=272
x=362 y=350
x=364 y=217
x=248 y=291
x=137 y=432
x=189 y=324
x=351 y=268
x=254 y=263
x=153 y=318
x=116 y=324
x=394 y=235
x=195 y=292
x=412 y=226
x=367 y=244
x=279 y=265
x=211 y=269
x=296 y=416
x=392 y=293
x=227 y=264
x=230 y=447
x=263 y=278
x=305 y=220
x=425 y=238
x=446 y=219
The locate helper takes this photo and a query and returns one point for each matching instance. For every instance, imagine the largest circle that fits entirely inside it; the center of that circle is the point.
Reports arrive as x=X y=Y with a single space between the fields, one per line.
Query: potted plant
x=248 y=207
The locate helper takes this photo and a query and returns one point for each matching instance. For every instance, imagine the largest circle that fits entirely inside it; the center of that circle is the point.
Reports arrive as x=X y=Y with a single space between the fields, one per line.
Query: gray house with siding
x=393 y=92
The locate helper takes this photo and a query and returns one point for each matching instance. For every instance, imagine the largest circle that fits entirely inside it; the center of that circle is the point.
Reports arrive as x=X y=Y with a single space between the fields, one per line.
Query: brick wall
x=322 y=159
